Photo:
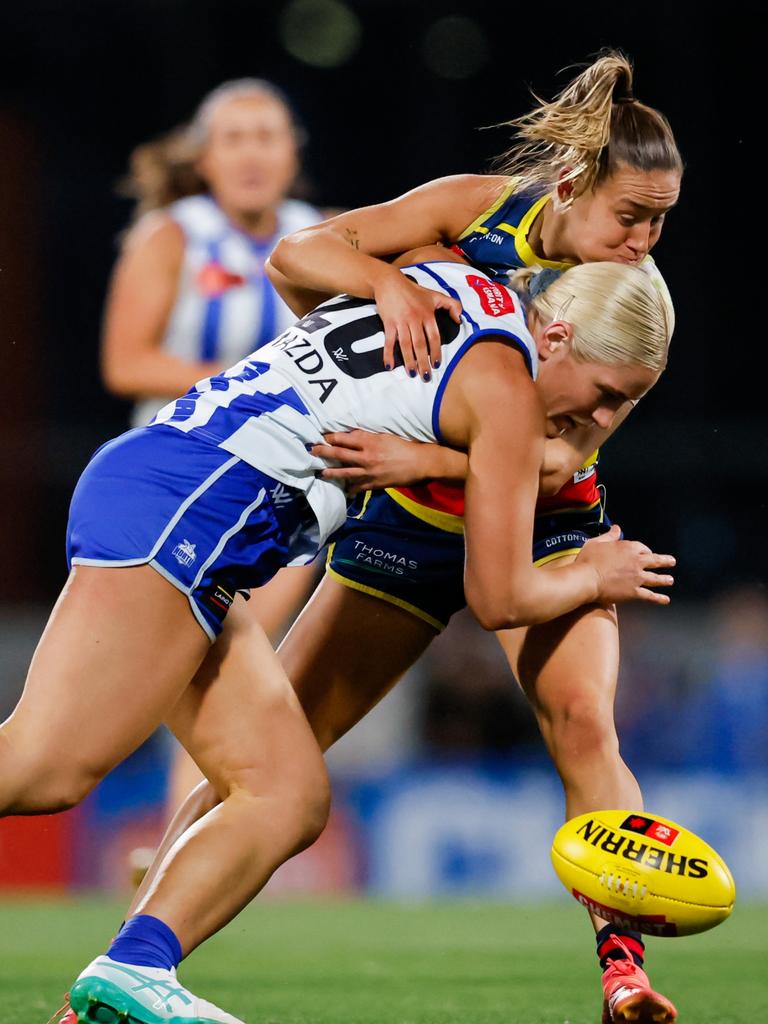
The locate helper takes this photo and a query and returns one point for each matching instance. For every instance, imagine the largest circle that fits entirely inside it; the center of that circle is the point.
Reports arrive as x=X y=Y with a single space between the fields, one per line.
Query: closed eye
x=609 y=395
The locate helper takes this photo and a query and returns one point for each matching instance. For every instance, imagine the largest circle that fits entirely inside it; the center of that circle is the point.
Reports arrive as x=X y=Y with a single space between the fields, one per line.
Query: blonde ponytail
x=591 y=126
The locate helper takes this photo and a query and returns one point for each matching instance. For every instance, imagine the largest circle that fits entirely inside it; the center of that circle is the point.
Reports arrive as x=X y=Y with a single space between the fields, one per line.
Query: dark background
x=82 y=83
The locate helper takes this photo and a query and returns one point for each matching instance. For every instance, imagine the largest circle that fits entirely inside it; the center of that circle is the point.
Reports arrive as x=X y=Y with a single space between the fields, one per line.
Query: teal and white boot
x=108 y=992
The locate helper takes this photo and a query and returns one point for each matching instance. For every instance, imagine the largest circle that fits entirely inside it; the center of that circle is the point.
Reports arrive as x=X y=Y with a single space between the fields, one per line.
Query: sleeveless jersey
x=225 y=306
x=497 y=242
x=326 y=373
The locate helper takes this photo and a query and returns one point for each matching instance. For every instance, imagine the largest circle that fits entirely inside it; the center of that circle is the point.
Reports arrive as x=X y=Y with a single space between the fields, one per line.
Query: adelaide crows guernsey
x=225 y=305
x=326 y=373
x=497 y=242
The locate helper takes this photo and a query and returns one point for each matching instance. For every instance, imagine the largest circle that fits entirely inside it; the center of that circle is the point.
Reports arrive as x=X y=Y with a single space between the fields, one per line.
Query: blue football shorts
x=385 y=551
x=208 y=522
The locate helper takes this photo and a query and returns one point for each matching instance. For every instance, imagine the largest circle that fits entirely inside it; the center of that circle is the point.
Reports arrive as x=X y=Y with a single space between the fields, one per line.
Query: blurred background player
x=189 y=294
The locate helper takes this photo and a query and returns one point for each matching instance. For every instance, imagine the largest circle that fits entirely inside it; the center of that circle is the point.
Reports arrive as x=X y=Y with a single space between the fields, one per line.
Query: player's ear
x=563 y=191
x=556 y=337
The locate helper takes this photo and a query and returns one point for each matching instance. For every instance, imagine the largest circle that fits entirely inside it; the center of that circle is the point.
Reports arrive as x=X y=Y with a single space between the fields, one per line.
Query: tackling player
x=592 y=178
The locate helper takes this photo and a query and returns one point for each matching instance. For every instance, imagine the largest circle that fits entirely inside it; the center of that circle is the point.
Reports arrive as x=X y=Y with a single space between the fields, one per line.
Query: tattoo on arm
x=352 y=237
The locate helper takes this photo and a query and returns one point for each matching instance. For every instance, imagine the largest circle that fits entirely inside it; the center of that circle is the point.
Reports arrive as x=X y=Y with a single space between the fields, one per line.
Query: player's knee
x=297 y=792
x=579 y=727
x=307 y=804
x=48 y=789
x=315 y=810
x=43 y=777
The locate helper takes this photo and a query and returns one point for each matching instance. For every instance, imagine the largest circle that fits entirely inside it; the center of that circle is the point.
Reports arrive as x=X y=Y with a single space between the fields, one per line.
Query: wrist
x=448 y=465
x=380 y=274
x=591 y=580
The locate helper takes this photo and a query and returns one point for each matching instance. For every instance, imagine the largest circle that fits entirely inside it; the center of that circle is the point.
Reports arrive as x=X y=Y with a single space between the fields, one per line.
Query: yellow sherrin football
x=643 y=872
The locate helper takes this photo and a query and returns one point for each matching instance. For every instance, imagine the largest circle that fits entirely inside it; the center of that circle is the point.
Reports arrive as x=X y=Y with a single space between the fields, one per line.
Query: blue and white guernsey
x=326 y=373
x=226 y=306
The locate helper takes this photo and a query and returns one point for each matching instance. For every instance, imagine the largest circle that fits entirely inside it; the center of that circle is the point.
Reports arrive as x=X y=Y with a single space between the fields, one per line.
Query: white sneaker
x=108 y=992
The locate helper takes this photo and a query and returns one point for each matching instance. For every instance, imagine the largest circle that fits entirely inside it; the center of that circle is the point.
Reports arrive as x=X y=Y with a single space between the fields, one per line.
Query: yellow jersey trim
x=446 y=521
x=477 y=224
x=366 y=499
x=382 y=596
x=524 y=250
x=555 y=555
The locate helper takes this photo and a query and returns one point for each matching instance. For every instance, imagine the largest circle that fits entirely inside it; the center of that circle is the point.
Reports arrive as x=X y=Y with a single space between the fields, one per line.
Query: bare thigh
x=240 y=718
x=272 y=606
x=119 y=648
x=345 y=652
x=276 y=603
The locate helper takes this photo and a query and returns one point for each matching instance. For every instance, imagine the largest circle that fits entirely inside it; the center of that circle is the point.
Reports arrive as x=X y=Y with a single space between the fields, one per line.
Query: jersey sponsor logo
x=213 y=280
x=635 y=852
x=387 y=562
x=565 y=538
x=653 y=829
x=306 y=358
x=494 y=298
x=184 y=553
x=217 y=599
x=584 y=474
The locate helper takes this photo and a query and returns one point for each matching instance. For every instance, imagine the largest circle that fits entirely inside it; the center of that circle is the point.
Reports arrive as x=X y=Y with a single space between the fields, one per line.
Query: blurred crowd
x=693 y=690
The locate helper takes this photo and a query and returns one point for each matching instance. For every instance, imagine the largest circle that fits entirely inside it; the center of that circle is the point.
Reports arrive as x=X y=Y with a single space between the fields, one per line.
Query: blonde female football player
x=189 y=293
x=592 y=178
x=170 y=521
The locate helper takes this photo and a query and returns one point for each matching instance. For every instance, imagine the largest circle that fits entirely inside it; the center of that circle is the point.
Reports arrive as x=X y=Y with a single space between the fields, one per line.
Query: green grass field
x=376 y=963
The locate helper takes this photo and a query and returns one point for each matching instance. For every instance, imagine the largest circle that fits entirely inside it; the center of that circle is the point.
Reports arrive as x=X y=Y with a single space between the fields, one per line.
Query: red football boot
x=629 y=998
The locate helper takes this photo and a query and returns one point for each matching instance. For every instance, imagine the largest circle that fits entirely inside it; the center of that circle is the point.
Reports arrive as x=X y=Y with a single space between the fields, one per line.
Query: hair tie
x=625 y=99
x=541 y=281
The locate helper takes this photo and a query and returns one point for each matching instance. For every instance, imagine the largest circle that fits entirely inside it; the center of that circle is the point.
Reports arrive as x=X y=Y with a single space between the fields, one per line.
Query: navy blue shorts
x=208 y=522
x=386 y=551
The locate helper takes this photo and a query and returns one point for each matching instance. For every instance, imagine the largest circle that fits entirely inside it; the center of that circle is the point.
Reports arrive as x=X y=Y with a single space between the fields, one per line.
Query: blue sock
x=145 y=941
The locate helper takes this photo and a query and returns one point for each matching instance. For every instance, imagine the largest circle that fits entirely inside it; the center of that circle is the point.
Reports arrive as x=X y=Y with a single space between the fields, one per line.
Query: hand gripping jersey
x=326 y=373
x=225 y=306
x=498 y=243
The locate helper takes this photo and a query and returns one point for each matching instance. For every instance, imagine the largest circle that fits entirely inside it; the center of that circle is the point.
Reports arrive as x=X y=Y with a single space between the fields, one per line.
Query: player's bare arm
x=346 y=254
x=491 y=407
x=142 y=295
x=367 y=461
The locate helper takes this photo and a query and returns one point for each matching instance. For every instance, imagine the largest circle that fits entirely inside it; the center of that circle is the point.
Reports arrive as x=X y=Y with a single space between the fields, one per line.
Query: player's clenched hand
x=408 y=313
x=626 y=569
x=367 y=461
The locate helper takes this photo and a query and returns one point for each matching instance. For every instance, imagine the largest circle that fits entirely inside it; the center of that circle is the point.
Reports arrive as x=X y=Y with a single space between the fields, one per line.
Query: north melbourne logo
x=281 y=495
x=184 y=553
